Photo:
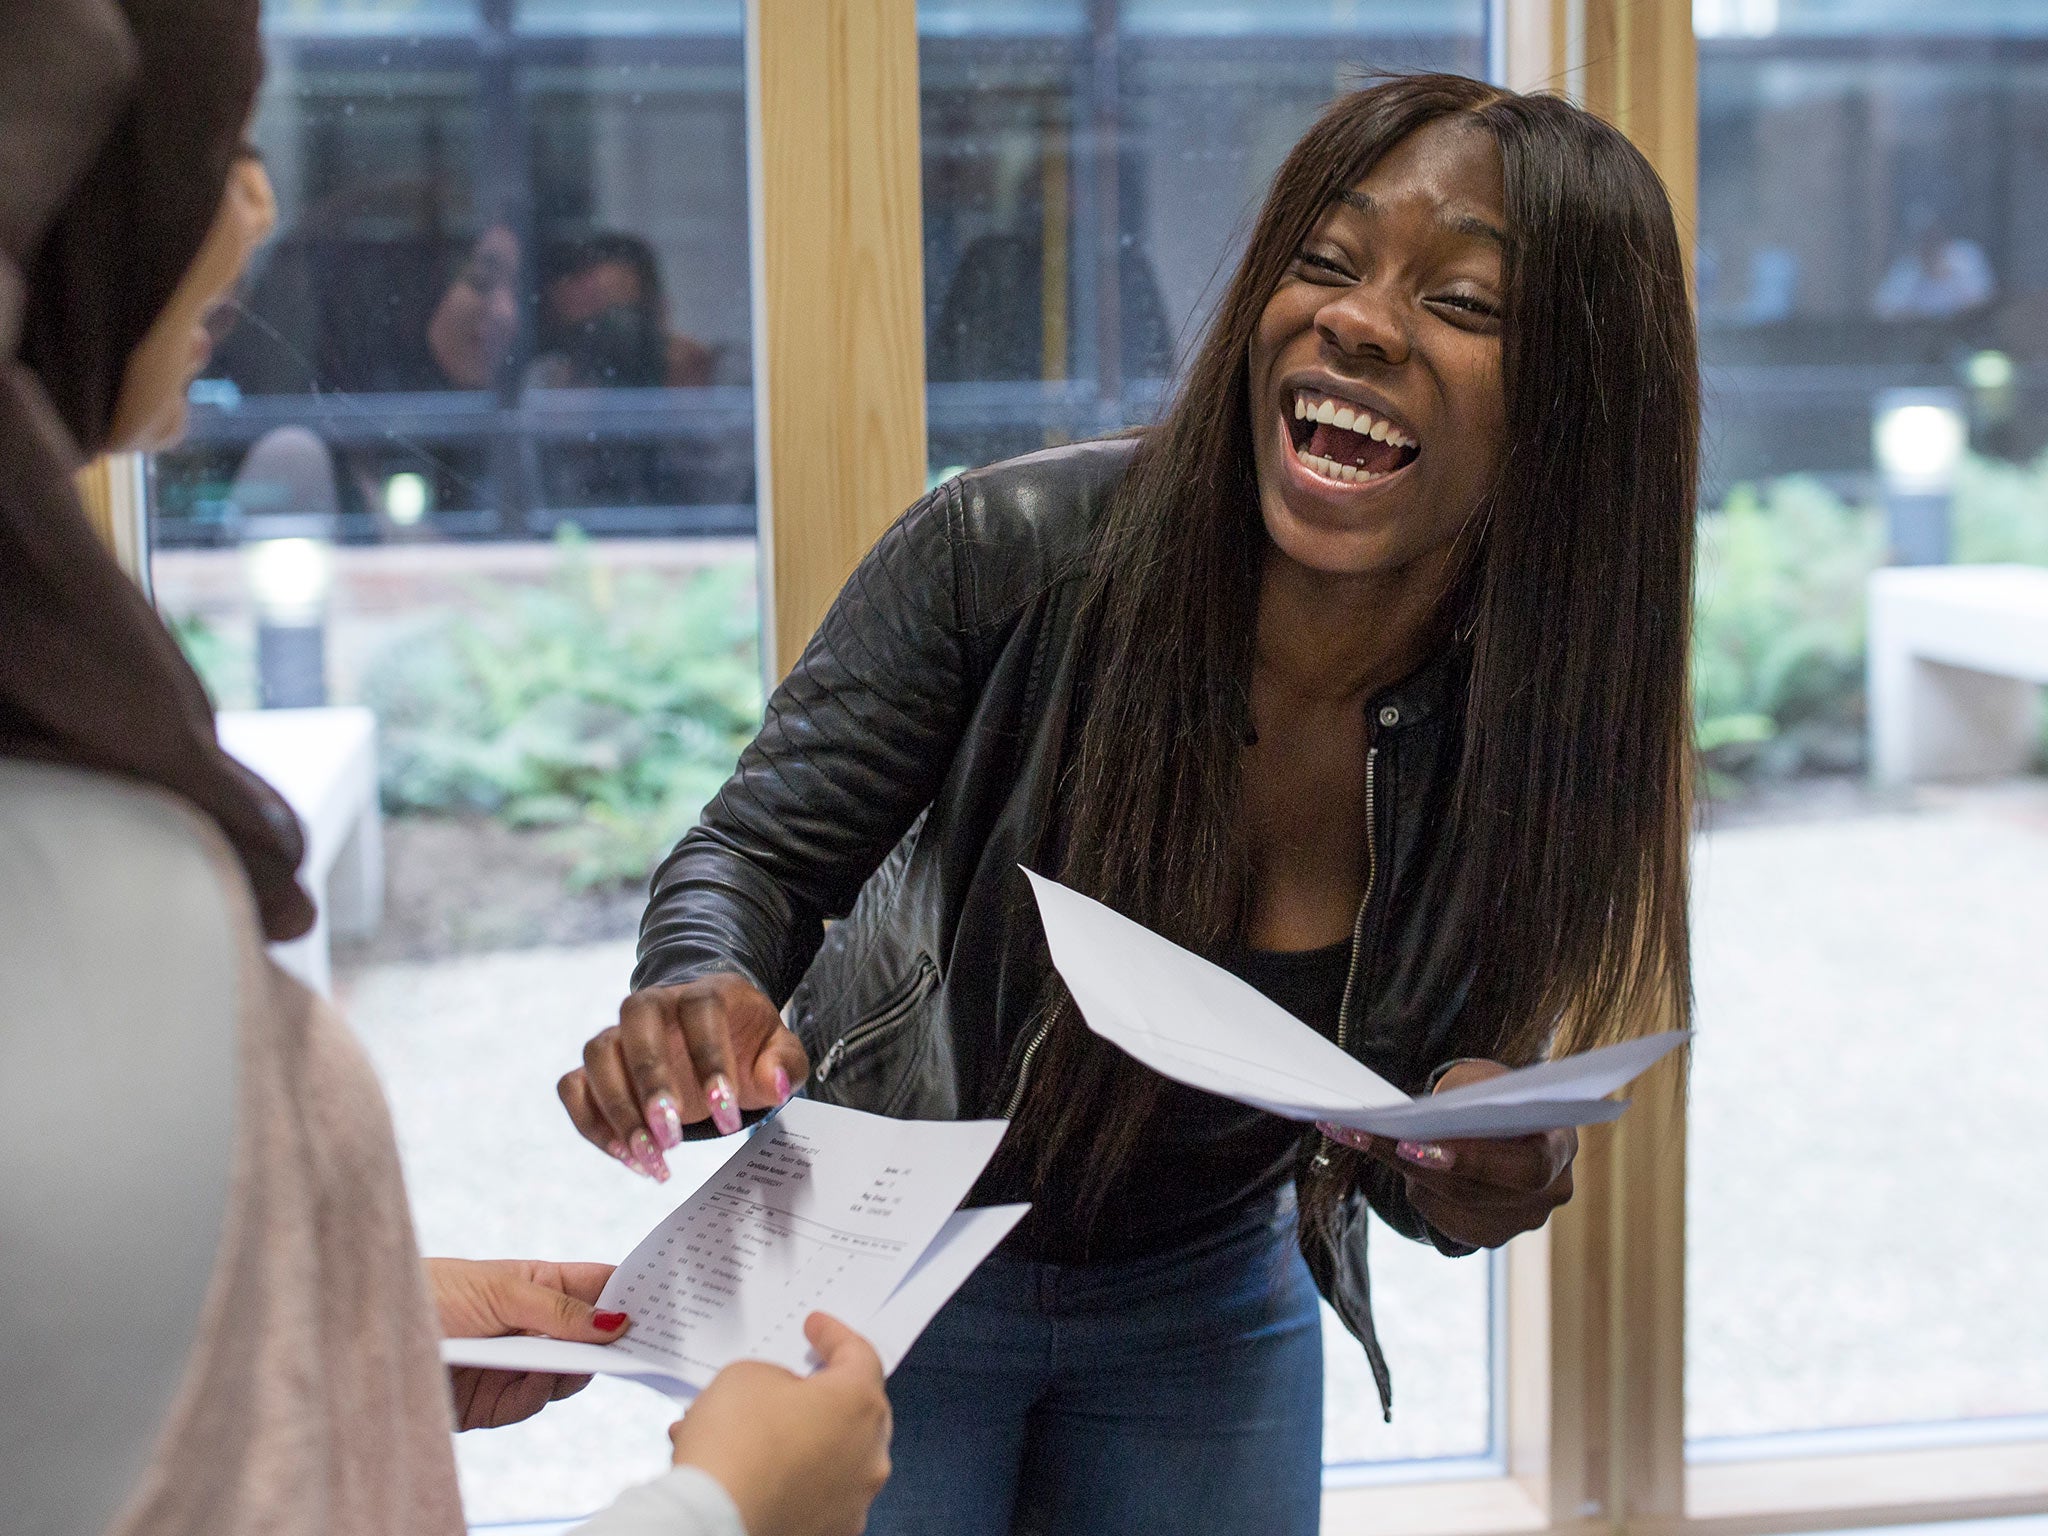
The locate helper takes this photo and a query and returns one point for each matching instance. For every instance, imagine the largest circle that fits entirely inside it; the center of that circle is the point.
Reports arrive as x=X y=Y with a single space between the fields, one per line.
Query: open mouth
x=1341 y=440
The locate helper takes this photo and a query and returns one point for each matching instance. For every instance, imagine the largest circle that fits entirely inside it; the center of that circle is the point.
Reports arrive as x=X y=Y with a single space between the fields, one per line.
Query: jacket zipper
x=881 y=1021
x=1024 y=1066
x=1372 y=872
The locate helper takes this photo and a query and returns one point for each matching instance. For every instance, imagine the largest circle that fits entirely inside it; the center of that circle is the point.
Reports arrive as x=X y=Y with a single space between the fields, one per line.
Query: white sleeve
x=688 y=1501
x=118 y=1031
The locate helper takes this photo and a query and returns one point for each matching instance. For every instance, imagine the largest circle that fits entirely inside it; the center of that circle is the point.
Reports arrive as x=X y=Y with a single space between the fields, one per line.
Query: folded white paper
x=821 y=1209
x=1193 y=1021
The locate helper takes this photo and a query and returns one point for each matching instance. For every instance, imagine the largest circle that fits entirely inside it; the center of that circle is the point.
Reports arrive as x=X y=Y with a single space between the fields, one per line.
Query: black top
x=1206 y=1160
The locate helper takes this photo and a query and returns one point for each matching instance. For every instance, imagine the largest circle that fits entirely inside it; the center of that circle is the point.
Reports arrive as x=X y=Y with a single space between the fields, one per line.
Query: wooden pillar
x=1616 y=1312
x=837 y=236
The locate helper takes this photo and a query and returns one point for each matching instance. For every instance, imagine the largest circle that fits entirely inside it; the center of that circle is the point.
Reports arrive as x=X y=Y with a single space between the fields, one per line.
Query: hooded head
x=120 y=123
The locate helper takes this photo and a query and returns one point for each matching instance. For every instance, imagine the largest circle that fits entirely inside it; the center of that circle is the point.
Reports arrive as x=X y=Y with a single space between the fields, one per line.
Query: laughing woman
x=1362 y=672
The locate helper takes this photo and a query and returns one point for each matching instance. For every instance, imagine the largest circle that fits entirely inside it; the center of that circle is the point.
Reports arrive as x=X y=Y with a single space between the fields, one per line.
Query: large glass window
x=1091 y=168
x=478 y=454
x=1867 y=1082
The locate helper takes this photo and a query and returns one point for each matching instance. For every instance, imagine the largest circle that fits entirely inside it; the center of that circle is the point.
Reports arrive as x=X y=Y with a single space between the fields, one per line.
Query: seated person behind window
x=1937 y=277
x=604 y=323
x=474 y=326
x=222 y=1327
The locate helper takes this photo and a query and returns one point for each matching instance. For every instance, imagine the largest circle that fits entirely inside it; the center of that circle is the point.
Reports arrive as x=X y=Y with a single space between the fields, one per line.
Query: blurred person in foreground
x=214 y=1322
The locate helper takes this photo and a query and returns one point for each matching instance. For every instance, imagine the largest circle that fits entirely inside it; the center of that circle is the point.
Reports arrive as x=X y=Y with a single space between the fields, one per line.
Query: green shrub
x=1778 y=640
x=1778 y=635
x=607 y=707
x=2001 y=512
x=226 y=668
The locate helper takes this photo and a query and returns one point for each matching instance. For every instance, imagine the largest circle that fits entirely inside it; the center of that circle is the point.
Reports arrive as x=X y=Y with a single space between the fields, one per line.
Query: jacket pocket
x=866 y=1040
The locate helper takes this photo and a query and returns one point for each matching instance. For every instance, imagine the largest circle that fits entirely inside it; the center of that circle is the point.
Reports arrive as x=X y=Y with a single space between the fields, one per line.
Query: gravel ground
x=1867 y=1217
x=1861 y=1169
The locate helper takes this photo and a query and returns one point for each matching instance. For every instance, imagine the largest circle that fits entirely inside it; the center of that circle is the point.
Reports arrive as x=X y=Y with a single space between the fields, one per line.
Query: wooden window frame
x=1595 y=1352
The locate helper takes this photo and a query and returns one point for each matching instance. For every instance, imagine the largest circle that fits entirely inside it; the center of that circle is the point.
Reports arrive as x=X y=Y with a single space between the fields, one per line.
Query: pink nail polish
x=781 y=1086
x=1427 y=1153
x=648 y=1157
x=665 y=1120
x=725 y=1108
x=618 y=1149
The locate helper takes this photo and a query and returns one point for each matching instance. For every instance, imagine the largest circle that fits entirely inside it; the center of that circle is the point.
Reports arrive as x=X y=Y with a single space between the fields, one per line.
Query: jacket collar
x=1433 y=689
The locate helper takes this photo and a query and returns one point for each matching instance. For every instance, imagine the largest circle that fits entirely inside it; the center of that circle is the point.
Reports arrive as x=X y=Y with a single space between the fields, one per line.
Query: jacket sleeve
x=854 y=745
x=1387 y=1192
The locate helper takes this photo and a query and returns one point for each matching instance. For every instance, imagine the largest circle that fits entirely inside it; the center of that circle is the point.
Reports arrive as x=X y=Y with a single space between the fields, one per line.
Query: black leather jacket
x=906 y=767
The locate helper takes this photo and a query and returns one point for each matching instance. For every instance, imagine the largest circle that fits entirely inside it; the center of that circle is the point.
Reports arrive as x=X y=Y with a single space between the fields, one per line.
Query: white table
x=324 y=763
x=1957 y=656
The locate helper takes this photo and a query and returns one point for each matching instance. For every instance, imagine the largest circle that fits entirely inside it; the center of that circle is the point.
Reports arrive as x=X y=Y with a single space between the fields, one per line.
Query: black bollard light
x=1918 y=437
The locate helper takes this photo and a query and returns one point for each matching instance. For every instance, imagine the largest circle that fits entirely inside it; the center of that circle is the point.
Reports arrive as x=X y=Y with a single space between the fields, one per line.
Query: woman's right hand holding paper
x=800 y=1456
x=706 y=1049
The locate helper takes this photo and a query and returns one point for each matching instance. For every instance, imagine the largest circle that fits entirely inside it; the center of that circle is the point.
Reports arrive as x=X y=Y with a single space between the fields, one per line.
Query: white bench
x=1957 y=654
x=324 y=763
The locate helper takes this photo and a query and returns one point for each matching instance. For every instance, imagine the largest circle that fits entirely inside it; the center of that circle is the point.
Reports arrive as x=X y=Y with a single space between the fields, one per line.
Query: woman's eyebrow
x=1458 y=223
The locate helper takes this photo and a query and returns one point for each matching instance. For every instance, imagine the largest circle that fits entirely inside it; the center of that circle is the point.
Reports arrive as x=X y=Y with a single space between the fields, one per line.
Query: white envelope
x=1194 y=1022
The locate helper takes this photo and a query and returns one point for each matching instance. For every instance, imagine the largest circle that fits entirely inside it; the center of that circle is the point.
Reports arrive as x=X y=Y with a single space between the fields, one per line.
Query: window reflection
x=511 y=269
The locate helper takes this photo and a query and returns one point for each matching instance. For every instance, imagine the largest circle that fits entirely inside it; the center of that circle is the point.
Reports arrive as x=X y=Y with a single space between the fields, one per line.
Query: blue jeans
x=1172 y=1394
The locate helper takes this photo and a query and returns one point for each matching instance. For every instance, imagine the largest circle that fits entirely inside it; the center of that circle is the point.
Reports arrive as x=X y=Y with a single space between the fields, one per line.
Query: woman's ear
x=149 y=412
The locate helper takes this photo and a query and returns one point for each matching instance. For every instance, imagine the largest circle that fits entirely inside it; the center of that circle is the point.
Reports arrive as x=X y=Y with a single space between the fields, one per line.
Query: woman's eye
x=1321 y=268
x=1467 y=304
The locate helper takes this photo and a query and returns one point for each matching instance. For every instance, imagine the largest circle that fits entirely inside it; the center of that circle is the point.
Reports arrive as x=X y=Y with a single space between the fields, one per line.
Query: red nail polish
x=608 y=1322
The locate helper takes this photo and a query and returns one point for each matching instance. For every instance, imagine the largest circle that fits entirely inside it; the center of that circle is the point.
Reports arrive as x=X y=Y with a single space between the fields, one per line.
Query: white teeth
x=1330 y=469
x=1309 y=406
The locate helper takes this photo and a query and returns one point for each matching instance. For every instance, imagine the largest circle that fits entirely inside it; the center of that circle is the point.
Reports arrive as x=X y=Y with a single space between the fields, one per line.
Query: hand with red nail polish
x=1480 y=1192
x=485 y=1299
x=699 y=1054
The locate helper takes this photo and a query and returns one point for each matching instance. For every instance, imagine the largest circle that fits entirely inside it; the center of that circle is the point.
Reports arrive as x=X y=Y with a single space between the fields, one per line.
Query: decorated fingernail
x=607 y=1322
x=1427 y=1153
x=665 y=1120
x=725 y=1108
x=781 y=1086
x=647 y=1157
x=1358 y=1141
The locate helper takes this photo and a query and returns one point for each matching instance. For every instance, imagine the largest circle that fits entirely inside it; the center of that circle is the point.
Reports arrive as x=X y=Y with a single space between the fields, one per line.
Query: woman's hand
x=483 y=1299
x=801 y=1456
x=708 y=1048
x=1481 y=1192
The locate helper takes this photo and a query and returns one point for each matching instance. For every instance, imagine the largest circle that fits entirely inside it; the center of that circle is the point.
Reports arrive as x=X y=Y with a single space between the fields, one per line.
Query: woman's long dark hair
x=1570 y=814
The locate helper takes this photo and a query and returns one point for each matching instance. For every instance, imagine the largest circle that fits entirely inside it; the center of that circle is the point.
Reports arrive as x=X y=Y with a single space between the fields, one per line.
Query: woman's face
x=1377 y=411
x=473 y=327
x=149 y=412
